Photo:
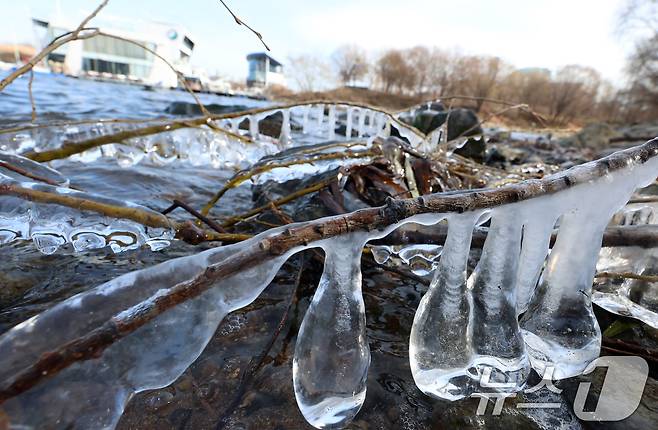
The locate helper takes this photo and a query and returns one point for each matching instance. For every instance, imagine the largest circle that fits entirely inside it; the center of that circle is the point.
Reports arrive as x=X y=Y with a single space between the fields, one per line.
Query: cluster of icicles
x=300 y=124
x=465 y=327
x=50 y=226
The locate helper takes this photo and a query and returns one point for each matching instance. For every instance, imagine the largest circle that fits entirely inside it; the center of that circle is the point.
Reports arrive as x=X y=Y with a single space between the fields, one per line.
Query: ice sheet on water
x=51 y=226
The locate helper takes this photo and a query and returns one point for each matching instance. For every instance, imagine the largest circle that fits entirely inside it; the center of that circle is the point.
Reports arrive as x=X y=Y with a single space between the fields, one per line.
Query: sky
x=526 y=33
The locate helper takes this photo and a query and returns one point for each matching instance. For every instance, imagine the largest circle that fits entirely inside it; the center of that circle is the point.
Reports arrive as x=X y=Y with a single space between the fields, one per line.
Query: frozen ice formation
x=466 y=337
x=92 y=394
x=51 y=225
x=332 y=356
x=421 y=258
x=630 y=297
x=271 y=130
x=24 y=169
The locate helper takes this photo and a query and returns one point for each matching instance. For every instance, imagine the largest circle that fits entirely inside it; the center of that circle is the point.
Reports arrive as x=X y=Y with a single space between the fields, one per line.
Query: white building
x=264 y=71
x=104 y=57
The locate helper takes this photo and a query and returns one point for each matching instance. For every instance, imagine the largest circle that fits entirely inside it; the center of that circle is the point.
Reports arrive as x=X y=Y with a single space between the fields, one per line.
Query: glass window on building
x=102 y=66
x=104 y=45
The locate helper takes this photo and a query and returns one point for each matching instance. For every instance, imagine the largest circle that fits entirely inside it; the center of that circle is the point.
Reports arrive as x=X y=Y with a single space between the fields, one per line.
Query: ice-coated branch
x=257 y=169
x=367 y=113
x=272 y=248
x=81 y=201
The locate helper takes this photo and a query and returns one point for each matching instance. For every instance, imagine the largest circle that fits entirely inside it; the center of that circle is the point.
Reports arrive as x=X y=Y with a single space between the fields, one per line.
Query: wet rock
x=159 y=400
x=475 y=149
x=595 y=136
x=341 y=130
x=461 y=122
x=270 y=125
x=435 y=106
x=501 y=155
x=192 y=109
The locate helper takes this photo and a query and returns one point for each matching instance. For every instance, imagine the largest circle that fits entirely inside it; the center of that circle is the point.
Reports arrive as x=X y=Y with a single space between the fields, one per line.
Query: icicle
x=320 y=119
x=253 y=126
x=348 y=123
x=284 y=138
x=331 y=123
x=305 y=112
x=559 y=326
x=497 y=341
x=372 y=127
x=235 y=125
x=381 y=121
x=332 y=354
x=434 y=141
x=537 y=230
x=422 y=258
x=362 y=122
x=440 y=350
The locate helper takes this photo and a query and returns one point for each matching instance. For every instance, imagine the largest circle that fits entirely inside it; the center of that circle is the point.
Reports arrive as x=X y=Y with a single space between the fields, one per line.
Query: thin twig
x=627 y=275
x=54 y=45
x=293 y=196
x=28 y=174
x=147 y=218
x=241 y=22
x=180 y=204
x=72 y=148
x=29 y=90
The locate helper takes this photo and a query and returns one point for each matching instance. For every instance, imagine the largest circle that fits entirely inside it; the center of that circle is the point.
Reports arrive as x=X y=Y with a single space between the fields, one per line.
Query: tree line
x=571 y=94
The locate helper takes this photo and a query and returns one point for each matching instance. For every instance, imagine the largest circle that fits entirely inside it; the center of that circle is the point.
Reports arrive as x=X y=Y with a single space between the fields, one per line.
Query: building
x=264 y=71
x=106 y=57
x=16 y=54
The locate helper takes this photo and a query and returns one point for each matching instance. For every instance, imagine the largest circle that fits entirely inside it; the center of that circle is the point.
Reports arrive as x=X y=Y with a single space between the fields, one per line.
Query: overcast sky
x=527 y=33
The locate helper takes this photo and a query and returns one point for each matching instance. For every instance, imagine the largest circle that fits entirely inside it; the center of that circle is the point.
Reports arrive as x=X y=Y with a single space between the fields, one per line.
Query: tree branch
x=241 y=22
x=54 y=45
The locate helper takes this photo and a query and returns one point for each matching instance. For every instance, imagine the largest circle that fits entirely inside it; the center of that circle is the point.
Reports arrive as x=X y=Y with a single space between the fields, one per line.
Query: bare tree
x=394 y=72
x=351 y=63
x=640 y=18
x=420 y=61
x=573 y=93
x=638 y=15
x=308 y=72
x=643 y=71
x=484 y=73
